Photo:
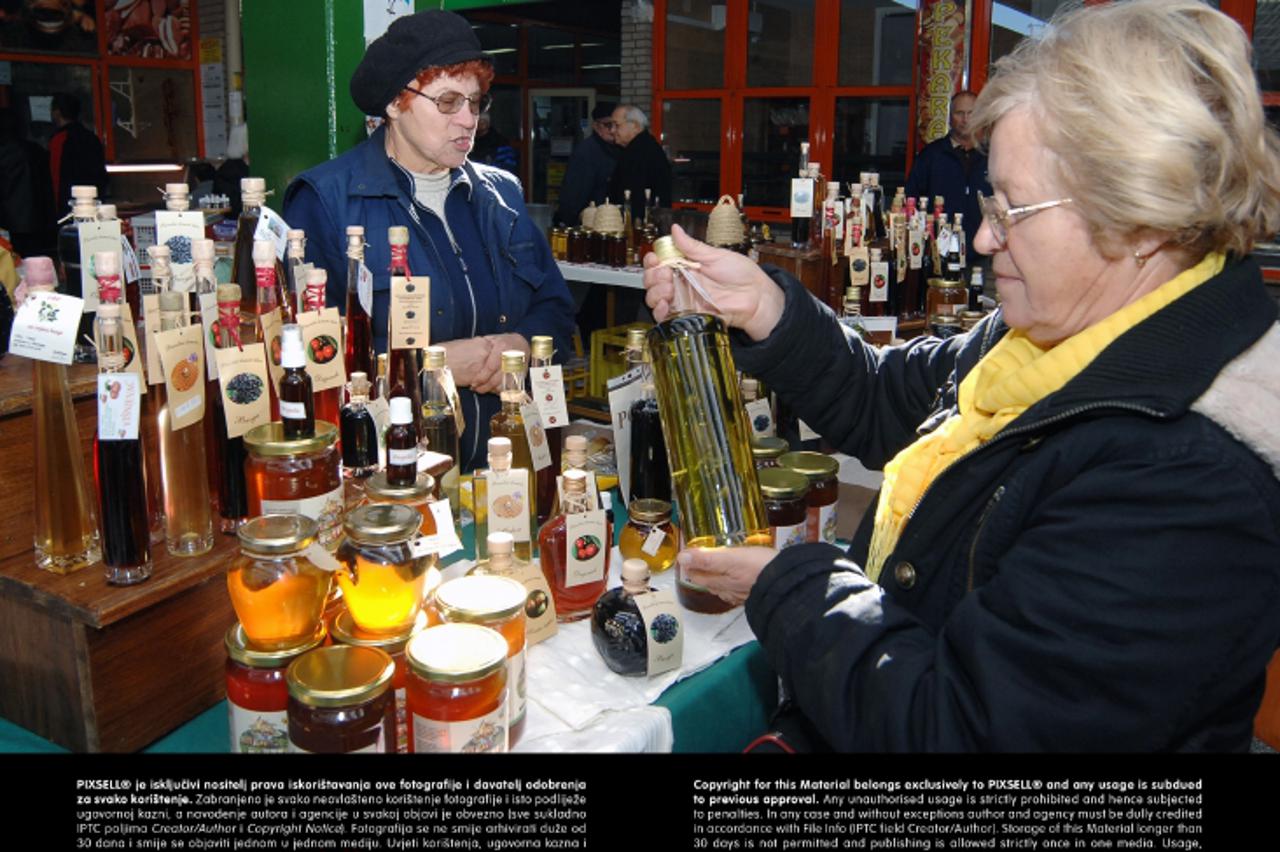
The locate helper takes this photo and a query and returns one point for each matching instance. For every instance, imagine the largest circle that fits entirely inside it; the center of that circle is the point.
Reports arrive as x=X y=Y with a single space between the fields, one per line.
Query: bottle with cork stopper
x=575 y=562
x=359 y=337
x=617 y=628
x=501 y=498
x=253 y=194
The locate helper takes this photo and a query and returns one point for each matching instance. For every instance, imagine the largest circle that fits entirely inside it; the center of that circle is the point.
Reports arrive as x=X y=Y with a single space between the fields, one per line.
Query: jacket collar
x=378 y=176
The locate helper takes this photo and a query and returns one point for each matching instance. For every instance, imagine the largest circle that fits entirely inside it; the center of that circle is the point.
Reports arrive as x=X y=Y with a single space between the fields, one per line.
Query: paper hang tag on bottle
x=151 y=325
x=94 y=237
x=242 y=377
x=879 y=282
x=539 y=604
x=129 y=267
x=760 y=415
x=182 y=362
x=410 y=312
x=322 y=558
x=653 y=541
x=663 y=629
x=119 y=406
x=539 y=449
x=132 y=352
x=586 y=536
x=593 y=490
x=508 y=502
x=623 y=391
x=208 y=324
x=801 y=198
x=547 y=389
x=859 y=268
x=446 y=532
x=271 y=336
x=915 y=248
x=179 y=229
x=322 y=341
x=364 y=288
x=272 y=227
x=380 y=410
x=451 y=393
x=45 y=327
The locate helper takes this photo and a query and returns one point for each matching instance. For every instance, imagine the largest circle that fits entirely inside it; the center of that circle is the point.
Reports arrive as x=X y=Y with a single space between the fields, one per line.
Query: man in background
x=76 y=157
x=641 y=165
x=586 y=178
x=493 y=148
x=953 y=168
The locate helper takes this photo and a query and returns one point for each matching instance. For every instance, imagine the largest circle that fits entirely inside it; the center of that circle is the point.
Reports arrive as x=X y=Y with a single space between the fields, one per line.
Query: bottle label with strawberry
x=587 y=542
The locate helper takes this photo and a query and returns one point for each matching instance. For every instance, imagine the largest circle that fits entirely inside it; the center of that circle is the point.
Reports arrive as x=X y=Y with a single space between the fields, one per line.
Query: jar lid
x=420 y=489
x=347 y=632
x=277 y=534
x=944 y=319
x=456 y=653
x=240 y=649
x=650 y=510
x=816 y=466
x=268 y=440
x=972 y=315
x=944 y=284
x=782 y=483
x=768 y=447
x=382 y=523
x=480 y=597
x=340 y=675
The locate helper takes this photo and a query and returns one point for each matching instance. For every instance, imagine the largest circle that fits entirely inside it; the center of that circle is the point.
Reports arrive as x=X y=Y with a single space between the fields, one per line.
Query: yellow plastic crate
x=608 y=358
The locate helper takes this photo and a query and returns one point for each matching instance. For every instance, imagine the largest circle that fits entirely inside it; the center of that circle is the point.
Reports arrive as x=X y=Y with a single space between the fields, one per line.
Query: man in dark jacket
x=26 y=192
x=76 y=156
x=641 y=165
x=591 y=165
x=953 y=168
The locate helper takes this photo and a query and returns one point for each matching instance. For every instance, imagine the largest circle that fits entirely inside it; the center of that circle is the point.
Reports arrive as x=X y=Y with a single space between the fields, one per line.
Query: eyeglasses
x=607 y=124
x=450 y=102
x=1001 y=218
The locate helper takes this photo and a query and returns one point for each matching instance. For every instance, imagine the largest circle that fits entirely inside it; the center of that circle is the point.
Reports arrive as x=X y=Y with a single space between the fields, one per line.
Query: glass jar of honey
x=616 y=250
x=946 y=297
x=784 y=501
x=766 y=450
x=822 y=471
x=277 y=592
x=257 y=694
x=498 y=603
x=302 y=476
x=649 y=534
x=458 y=689
x=347 y=632
x=418 y=496
x=384 y=579
x=340 y=701
x=577 y=242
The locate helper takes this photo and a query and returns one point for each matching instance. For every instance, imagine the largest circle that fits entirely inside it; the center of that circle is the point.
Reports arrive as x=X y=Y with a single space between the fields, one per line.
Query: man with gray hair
x=642 y=165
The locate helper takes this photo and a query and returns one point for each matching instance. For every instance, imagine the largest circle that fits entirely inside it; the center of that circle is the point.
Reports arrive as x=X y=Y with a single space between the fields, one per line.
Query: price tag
x=94 y=237
x=364 y=288
x=508 y=502
x=587 y=542
x=380 y=410
x=410 y=312
x=272 y=227
x=539 y=449
x=178 y=229
x=547 y=384
x=45 y=327
x=208 y=323
x=760 y=414
x=322 y=558
x=151 y=325
x=119 y=406
x=663 y=629
x=322 y=340
x=242 y=375
x=129 y=260
x=446 y=532
x=451 y=392
x=623 y=391
x=653 y=541
x=271 y=336
x=182 y=360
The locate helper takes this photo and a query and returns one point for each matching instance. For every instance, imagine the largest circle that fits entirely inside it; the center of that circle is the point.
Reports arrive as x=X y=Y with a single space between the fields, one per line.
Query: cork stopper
x=575 y=482
x=397 y=235
x=500 y=544
x=436 y=357
x=297 y=239
x=202 y=251
x=107 y=213
x=39 y=272
x=172 y=300
x=833 y=189
x=177 y=196
x=542 y=346
x=636 y=338
x=84 y=192
x=665 y=249
x=264 y=253
x=104 y=263
x=160 y=256
x=750 y=389
x=228 y=292
x=253 y=191
x=355 y=231
x=360 y=384
x=513 y=361
x=575 y=450
x=500 y=453
x=84 y=202
x=875 y=255
x=355 y=241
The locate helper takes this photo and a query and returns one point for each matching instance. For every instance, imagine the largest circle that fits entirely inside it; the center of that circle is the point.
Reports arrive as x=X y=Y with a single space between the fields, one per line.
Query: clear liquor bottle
x=541 y=354
x=403 y=364
x=84 y=208
x=439 y=421
x=509 y=422
x=500 y=462
x=266 y=304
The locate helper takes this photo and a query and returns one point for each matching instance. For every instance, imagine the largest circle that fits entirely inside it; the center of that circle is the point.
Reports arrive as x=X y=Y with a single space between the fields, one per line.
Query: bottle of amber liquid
x=233 y=494
x=509 y=423
x=403 y=364
x=297 y=409
x=439 y=422
x=328 y=402
x=359 y=439
x=402 y=443
x=507 y=488
x=359 y=336
x=574 y=549
x=268 y=305
x=66 y=525
x=253 y=194
x=650 y=475
x=541 y=353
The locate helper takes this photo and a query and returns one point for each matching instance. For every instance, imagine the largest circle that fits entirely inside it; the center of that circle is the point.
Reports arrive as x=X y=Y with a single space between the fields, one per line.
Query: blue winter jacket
x=501 y=251
x=938 y=170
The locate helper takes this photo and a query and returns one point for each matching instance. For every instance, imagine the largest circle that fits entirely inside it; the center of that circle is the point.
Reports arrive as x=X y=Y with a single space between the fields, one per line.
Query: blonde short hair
x=1155 y=118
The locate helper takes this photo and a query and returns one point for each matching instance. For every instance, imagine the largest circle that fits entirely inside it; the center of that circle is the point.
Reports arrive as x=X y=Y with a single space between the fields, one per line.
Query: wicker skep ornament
x=724 y=225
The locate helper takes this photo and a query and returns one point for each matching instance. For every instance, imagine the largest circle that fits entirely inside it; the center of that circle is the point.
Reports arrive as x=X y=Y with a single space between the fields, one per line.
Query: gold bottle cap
x=512 y=361
x=340 y=675
x=437 y=357
x=816 y=466
x=636 y=338
x=398 y=235
x=382 y=364
x=575 y=482
x=768 y=447
x=228 y=292
x=650 y=510
x=420 y=489
x=240 y=649
x=347 y=632
x=269 y=440
x=542 y=346
x=781 y=483
x=456 y=653
x=665 y=249
x=480 y=598
x=944 y=284
x=276 y=535
x=382 y=523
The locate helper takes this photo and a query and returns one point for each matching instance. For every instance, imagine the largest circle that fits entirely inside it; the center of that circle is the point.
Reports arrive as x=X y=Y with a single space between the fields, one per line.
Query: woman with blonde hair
x=1077 y=544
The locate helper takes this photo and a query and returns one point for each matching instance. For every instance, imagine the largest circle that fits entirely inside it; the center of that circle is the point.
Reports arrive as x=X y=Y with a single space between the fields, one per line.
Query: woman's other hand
x=468 y=360
x=489 y=377
x=727 y=572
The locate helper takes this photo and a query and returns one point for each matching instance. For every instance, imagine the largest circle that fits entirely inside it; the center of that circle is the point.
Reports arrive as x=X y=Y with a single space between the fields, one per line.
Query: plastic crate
x=608 y=355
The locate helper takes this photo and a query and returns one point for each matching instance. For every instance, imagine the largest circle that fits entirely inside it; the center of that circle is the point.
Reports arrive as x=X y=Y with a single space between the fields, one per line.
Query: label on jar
x=760 y=415
x=539 y=449
x=322 y=340
x=182 y=365
x=485 y=734
x=378 y=746
x=508 y=502
x=271 y=324
x=410 y=312
x=663 y=630
x=516 y=685
x=402 y=720
x=258 y=731
x=790 y=536
x=324 y=509
x=547 y=389
x=653 y=541
x=403 y=457
x=539 y=606
x=827 y=523
x=587 y=543
x=119 y=407
x=292 y=410
x=242 y=373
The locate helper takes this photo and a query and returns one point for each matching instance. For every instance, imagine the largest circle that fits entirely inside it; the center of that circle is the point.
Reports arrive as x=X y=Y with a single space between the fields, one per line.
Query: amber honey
x=636 y=541
x=383 y=581
x=824 y=492
x=257 y=694
x=301 y=476
x=278 y=593
x=418 y=495
x=458 y=690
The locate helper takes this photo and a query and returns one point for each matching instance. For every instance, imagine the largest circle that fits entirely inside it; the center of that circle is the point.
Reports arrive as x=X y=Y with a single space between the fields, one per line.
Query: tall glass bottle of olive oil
x=708 y=437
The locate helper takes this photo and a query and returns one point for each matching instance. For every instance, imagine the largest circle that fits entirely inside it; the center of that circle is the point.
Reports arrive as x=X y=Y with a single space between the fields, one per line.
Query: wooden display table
x=89 y=666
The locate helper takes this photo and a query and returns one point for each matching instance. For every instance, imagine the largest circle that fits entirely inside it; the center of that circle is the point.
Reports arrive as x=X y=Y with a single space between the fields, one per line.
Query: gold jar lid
x=456 y=653
x=382 y=523
x=768 y=447
x=347 y=632
x=542 y=346
x=782 y=483
x=340 y=675
x=420 y=489
x=650 y=511
x=971 y=316
x=277 y=535
x=268 y=440
x=480 y=598
x=512 y=361
x=240 y=649
x=816 y=466
x=944 y=284
x=944 y=319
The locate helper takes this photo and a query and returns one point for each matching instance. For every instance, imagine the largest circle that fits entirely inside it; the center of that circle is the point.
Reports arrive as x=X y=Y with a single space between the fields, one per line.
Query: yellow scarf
x=1008 y=380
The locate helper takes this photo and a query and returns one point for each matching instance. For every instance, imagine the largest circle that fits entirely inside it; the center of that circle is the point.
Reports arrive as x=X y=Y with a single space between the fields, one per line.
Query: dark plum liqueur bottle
x=650 y=476
x=359 y=433
x=617 y=628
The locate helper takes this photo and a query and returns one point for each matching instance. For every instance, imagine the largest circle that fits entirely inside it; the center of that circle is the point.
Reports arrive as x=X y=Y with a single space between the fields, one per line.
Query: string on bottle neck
x=229 y=319
x=400 y=259
x=109 y=288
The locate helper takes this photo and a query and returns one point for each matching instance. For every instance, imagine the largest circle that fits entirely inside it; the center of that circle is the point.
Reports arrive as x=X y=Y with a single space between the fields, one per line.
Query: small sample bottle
x=574 y=549
x=359 y=438
x=617 y=628
x=510 y=487
x=541 y=354
x=402 y=443
x=84 y=209
x=340 y=701
x=295 y=283
x=297 y=408
x=509 y=422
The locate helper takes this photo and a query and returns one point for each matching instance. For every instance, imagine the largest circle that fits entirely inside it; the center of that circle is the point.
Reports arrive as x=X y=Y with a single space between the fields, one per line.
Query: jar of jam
x=498 y=603
x=784 y=500
x=347 y=632
x=340 y=701
x=418 y=496
x=616 y=250
x=302 y=476
x=649 y=535
x=278 y=593
x=766 y=450
x=257 y=695
x=945 y=297
x=824 y=491
x=577 y=240
x=385 y=579
x=597 y=249
x=458 y=690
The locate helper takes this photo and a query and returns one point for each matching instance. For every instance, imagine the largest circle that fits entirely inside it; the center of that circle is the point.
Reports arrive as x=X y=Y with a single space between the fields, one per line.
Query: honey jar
x=340 y=701
x=649 y=535
x=418 y=496
x=784 y=501
x=385 y=579
x=278 y=593
x=823 y=499
x=347 y=632
x=946 y=297
x=766 y=450
x=458 y=689
x=498 y=603
x=302 y=476
x=257 y=694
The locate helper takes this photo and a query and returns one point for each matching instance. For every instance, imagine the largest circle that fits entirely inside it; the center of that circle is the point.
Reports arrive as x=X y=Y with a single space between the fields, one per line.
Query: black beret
x=412 y=43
